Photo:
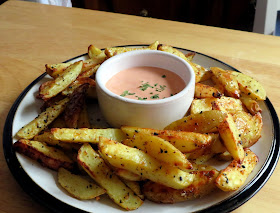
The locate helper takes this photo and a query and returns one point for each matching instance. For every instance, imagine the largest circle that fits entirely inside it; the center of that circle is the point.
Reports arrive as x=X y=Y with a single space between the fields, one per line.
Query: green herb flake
x=145 y=86
x=139 y=98
x=163 y=76
x=126 y=92
x=155 y=96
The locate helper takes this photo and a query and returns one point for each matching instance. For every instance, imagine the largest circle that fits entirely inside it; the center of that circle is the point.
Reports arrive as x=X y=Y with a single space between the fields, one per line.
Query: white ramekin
x=156 y=114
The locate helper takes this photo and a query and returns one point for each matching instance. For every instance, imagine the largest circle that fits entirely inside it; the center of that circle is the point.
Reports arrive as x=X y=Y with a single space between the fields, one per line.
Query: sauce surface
x=146 y=83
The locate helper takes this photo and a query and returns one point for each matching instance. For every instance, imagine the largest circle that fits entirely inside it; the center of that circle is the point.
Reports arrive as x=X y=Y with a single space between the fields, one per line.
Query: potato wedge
x=190 y=56
x=202 y=185
x=127 y=175
x=201 y=105
x=158 y=148
x=140 y=163
x=50 y=89
x=97 y=169
x=204 y=122
x=47 y=156
x=47 y=137
x=83 y=78
x=206 y=91
x=85 y=135
x=78 y=186
x=112 y=51
x=228 y=103
x=54 y=70
x=227 y=80
x=231 y=138
x=235 y=175
x=183 y=141
x=250 y=104
x=35 y=126
x=230 y=135
x=83 y=121
x=135 y=187
x=96 y=54
x=250 y=127
x=75 y=106
x=250 y=86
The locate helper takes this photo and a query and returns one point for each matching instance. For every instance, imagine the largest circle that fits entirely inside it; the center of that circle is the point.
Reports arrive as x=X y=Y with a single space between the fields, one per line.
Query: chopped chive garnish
x=126 y=92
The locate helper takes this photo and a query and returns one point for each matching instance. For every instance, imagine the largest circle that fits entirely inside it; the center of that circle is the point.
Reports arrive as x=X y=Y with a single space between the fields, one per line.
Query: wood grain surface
x=33 y=34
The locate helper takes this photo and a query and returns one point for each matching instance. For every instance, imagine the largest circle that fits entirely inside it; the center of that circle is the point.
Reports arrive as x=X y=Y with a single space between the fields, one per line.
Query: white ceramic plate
x=41 y=183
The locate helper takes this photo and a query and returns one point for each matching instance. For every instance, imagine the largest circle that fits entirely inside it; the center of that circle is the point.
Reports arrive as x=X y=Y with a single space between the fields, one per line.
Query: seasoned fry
x=97 y=55
x=158 y=148
x=112 y=51
x=83 y=121
x=48 y=138
x=84 y=78
x=202 y=185
x=230 y=135
x=140 y=163
x=250 y=127
x=78 y=186
x=250 y=86
x=74 y=106
x=250 y=104
x=47 y=156
x=201 y=105
x=85 y=135
x=227 y=80
x=234 y=176
x=204 y=122
x=43 y=120
x=52 y=88
x=183 y=141
x=135 y=187
x=95 y=166
x=205 y=91
x=127 y=175
x=54 y=70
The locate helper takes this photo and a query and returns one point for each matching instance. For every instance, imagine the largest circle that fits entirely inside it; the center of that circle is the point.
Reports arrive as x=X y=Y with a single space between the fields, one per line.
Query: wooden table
x=32 y=35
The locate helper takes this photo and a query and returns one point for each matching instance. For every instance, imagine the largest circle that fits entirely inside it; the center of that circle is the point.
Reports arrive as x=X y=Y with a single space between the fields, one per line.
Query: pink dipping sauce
x=146 y=83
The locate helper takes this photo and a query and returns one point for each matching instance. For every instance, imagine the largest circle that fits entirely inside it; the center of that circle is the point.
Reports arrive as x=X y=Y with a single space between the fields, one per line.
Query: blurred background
x=261 y=16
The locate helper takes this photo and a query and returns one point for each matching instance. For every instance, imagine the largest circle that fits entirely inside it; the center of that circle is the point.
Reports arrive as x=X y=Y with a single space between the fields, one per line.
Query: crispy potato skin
x=203 y=185
x=75 y=106
x=44 y=160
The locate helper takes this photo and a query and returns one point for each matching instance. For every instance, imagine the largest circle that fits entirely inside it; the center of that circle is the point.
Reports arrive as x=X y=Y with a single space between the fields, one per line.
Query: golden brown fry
x=97 y=169
x=202 y=185
x=43 y=120
x=249 y=86
x=50 y=89
x=97 y=55
x=84 y=78
x=183 y=141
x=158 y=148
x=204 y=122
x=249 y=126
x=48 y=138
x=227 y=80
x=78 y=186
x=47 y=156
x=74 y=106
x=138 y=162
x=83 y=121
x=85 y=135
x=205 y=91
x=250 y=104
x=54 y=70
x=230 y=135
x=235 y=175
